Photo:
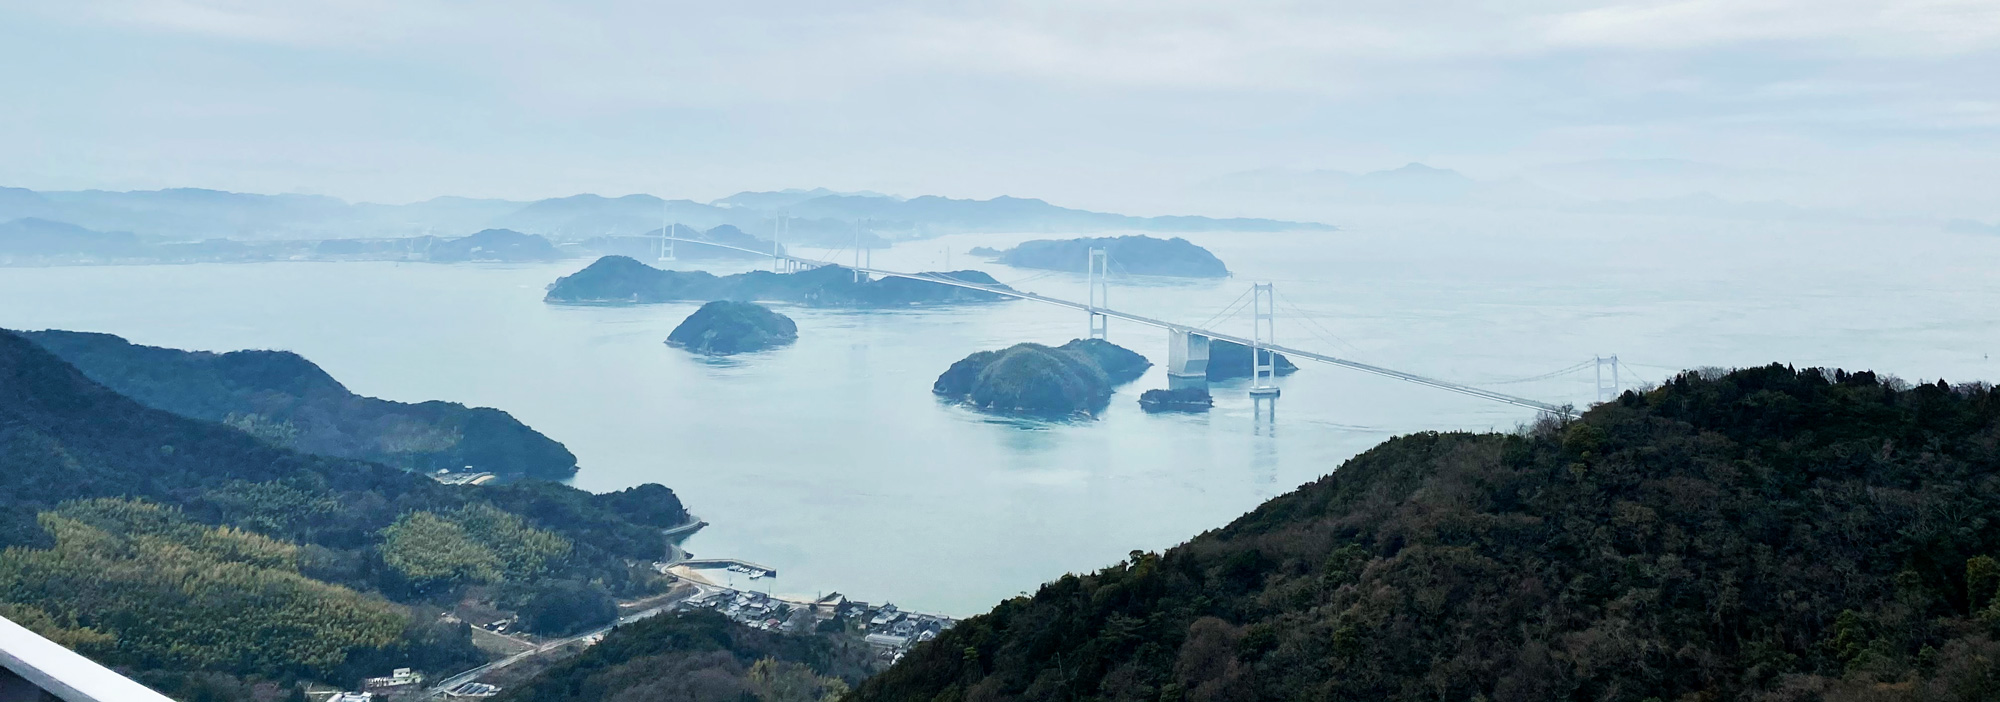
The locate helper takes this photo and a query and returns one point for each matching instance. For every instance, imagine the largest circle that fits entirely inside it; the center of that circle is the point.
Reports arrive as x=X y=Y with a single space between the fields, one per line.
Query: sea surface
x=831 y=461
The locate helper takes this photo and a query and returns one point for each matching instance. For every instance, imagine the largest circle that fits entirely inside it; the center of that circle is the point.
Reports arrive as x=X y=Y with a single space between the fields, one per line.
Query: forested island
x=1176 y=400
x=1134 y=255
x=726 y=327
x=1073 y=379
x=1228 y=360
x=1766 y=535
x=621 y=279
x=283 y=398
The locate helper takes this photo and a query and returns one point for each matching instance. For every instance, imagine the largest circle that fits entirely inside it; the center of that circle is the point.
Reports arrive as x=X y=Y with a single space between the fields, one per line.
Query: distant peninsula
x=620 y=279
x=1073 y=379
x=286 y=400
x=501 y=245
x=725 y=327
x=1135 y=255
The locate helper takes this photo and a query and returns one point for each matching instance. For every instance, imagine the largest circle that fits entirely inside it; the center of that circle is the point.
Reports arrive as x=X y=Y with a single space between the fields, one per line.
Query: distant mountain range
x=809 y=216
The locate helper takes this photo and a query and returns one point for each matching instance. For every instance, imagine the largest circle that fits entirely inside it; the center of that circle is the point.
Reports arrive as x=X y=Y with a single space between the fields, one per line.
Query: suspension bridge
x=1187 y=345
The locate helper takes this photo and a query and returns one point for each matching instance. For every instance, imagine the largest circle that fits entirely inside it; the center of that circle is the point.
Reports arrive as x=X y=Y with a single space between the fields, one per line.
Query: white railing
x=62 y=672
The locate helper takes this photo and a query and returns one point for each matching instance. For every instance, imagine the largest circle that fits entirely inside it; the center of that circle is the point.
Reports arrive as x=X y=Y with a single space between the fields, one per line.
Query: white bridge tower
x=1100 y=293
x=1263 y=333
x=1608 y=392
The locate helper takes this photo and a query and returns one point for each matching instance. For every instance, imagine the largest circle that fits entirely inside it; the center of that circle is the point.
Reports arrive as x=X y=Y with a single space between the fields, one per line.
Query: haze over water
x=831 y=461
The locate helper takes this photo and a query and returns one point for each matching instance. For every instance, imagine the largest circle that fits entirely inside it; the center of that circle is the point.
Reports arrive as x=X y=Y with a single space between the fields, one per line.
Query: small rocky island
x=1073 y=379
x=724 y=327
x=622 y=279
x=1228 y=359
x=1177 y=400
x=1136 y=255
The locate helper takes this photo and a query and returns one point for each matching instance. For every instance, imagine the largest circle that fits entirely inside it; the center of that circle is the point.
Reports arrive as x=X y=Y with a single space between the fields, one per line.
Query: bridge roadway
x=1447 y=385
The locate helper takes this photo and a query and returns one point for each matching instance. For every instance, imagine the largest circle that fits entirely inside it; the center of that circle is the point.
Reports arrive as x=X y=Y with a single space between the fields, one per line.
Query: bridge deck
x=1163 y=324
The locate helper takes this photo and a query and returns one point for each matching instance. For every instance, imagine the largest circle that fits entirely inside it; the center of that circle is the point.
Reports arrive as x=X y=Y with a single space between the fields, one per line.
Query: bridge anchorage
x=1187 y=345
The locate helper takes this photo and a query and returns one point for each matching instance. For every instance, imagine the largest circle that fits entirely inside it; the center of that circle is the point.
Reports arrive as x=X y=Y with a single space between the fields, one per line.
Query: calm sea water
x=831 y=461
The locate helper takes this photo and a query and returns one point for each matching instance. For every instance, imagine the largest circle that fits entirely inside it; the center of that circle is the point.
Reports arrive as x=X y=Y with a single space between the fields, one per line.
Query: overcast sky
x=1115 y=105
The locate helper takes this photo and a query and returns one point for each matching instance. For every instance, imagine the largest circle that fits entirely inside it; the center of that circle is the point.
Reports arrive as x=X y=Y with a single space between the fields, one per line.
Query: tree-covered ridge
x=474 y=544
x=699 y=656
x=63 y=437
x=137 y=584
x=259 y=524
x=1767 y=534
x=289 y=401
x=622 y=279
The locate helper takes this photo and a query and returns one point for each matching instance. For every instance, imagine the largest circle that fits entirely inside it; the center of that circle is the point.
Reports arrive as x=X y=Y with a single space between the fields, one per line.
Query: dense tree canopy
x=698 y=656
x=202 y=556
x=154 y=590
x=285 y=399
x=1767 y=534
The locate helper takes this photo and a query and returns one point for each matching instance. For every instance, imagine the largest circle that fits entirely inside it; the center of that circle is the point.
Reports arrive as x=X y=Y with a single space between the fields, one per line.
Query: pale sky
x=1110 y=105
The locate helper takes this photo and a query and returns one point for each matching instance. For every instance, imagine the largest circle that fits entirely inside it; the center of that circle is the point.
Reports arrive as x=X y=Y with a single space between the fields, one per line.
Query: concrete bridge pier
x=1187 y=360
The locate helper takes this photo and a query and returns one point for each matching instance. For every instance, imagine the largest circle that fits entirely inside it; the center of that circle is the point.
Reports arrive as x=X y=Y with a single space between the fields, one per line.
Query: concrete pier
x=1187 y=360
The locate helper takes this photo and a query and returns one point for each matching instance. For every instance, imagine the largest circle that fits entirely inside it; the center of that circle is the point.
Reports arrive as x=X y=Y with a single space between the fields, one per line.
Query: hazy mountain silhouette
x=810 y=216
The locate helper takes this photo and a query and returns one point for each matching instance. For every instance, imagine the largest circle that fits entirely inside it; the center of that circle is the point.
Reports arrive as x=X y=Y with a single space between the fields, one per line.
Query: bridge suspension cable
x=1545 y=376
x=1460 y=388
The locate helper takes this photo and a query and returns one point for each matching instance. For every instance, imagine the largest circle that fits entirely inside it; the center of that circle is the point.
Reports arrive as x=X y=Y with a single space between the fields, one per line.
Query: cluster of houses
x=890 y=630
x=404 y=683
x=752 y=609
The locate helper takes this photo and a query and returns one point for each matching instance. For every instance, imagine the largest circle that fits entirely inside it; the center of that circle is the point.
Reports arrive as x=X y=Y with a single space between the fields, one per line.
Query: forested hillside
x=289 y=401
x=700 y=656
x=1767 y=534
x=159 y=543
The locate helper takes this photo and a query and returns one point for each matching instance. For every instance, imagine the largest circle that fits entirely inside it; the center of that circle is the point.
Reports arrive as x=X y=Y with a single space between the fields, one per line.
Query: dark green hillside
x=215 y=535
x=698 y=656
x=1768 y=534
x=289 y=401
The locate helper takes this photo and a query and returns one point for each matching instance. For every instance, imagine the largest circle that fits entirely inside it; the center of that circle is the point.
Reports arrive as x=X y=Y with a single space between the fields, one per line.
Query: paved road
x=475 y=673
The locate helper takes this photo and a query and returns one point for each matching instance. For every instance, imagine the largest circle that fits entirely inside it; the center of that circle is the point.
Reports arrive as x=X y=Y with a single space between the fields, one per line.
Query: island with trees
x=1135 y=255
x=1228 y=360
x=726 y=327
x=622 y=279
x=1075 y=379
x=1176 y=400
